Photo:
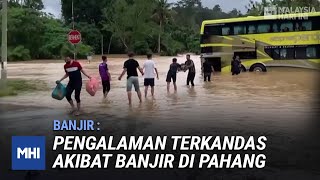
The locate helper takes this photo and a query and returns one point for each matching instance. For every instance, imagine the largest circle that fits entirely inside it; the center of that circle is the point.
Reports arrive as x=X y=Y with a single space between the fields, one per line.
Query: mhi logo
x=28 y=153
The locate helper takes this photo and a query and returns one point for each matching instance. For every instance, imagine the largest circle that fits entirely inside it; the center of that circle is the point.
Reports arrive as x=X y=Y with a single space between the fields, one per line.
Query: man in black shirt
x=130 y=66
x=172 y=74
x=192 y=70
x=207 y=70
x=235 y=65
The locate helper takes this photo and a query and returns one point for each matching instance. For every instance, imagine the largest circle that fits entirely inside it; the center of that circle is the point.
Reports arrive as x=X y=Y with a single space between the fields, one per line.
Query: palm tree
x=162 y=14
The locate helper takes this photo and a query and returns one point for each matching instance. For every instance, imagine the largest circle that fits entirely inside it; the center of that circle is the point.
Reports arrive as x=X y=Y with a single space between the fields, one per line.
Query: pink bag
x=92 y=86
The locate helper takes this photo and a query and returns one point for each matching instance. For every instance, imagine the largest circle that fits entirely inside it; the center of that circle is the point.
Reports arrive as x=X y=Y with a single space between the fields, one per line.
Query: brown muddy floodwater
x=280 y=98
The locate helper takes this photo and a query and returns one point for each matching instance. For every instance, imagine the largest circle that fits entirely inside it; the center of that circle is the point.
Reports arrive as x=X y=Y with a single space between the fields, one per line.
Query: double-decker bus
x=262 y=41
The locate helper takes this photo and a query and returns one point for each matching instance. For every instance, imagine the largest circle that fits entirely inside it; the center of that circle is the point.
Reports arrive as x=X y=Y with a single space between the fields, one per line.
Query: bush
x=82 y=50
x=16 y=86
x=18 y=53
x=141 y=47
x=173 y=48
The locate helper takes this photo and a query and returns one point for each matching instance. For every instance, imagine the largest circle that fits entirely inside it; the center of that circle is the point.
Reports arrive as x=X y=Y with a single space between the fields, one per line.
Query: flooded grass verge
x=17 y=86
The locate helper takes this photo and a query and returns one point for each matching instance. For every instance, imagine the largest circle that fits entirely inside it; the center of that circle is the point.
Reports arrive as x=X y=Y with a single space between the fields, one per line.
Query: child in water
x=172 y=74
x=105 y=76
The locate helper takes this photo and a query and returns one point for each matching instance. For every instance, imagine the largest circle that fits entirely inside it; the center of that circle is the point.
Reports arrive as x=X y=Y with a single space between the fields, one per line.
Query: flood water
x=280 y=98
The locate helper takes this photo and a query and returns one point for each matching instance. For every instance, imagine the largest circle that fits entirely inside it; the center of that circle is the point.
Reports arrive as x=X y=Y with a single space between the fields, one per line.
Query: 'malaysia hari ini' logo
x=276 y=12
x=28 y=153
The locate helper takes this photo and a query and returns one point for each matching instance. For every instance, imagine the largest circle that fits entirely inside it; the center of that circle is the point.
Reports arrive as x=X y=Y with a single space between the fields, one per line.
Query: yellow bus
x=262 y=41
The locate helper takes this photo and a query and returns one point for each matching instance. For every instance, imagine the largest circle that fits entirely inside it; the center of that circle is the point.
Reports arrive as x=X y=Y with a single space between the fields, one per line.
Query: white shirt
x=148 y=67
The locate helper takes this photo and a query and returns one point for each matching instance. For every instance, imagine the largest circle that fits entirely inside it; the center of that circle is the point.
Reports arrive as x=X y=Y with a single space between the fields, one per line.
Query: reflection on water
x=282 y=94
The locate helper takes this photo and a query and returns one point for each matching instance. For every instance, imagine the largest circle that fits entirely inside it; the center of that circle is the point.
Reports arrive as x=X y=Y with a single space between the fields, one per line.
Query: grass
x=17 y=86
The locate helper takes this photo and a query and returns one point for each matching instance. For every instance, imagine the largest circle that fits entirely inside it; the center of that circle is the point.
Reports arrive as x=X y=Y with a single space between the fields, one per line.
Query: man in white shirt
x=149 y=74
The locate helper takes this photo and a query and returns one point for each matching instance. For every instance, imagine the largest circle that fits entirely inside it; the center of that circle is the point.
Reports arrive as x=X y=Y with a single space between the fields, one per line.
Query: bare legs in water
x=174 y=85
x=130 y=97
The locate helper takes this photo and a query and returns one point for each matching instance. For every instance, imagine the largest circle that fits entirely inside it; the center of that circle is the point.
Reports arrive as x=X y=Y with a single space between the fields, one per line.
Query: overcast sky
x=54 y=6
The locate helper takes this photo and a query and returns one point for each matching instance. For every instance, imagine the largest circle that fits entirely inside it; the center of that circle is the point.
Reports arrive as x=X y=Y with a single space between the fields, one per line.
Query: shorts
x=105 y=86
x=172 y=76
x=133 y=80
x=149 y=82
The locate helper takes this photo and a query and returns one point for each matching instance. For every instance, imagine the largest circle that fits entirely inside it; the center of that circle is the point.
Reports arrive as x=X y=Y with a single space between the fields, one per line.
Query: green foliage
x=91 y=35
x=18 y=53
x=33 y=34
x=139 y=25
x=33 y=4
x=25 y=28
x=130 y=22
x=54 y=39
x=141 y=47
x=81 y=50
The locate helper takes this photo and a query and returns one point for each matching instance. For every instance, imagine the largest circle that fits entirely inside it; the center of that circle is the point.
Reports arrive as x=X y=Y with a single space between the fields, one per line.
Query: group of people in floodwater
x=73 y=70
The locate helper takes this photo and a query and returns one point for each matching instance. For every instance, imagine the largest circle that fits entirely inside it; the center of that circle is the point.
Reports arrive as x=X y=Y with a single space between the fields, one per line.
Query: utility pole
x=4 y=44
x=101 y=44
x=74 y=46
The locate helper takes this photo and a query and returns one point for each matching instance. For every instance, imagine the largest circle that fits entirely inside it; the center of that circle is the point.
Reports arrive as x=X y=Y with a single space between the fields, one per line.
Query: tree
x=33 y=4
x=162 y=14
x=91 y=13
x=26 y=28
x=54 y=38
x=84 y=11
x=130 y=22
x=255 y=8
x=90 y=33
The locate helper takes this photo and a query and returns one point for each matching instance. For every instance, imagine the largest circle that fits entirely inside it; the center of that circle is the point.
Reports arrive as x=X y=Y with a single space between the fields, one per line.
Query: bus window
x=303 y=26
x=300 y=52
x=247 y=55
x=225 y=31
x=311 y=52
x=275 y=28
x=286 y=26
x=212 y=30
x=276 y=54
x=263 y=28
x=269 y=51
x=306 y=26
x=283 y=54
x=298 y=27
x=287 y=53
x=205 y=39
x=252 y=29
x=315 y=23
x=239 y=30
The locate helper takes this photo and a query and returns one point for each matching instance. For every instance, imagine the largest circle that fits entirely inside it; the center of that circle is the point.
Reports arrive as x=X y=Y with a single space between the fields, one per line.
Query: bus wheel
x=243 y=69
x=258 y=68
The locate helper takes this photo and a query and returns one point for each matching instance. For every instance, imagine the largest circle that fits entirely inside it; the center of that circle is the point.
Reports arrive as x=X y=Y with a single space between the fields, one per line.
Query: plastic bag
x=59 y=92
x=92 y=86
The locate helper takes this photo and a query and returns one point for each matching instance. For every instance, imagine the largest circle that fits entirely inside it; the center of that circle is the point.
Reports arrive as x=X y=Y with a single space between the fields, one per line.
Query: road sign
x=74 y=37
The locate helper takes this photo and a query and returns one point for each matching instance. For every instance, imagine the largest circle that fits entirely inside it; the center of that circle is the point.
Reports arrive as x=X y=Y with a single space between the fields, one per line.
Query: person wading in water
x=191 y=71
x=172 y=74
x=73 y=70
x=130 y=67
x=105 y=76
x=207 y=70
x=235 y=65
